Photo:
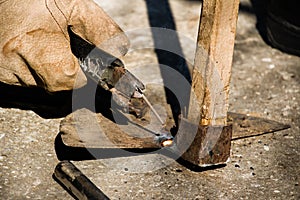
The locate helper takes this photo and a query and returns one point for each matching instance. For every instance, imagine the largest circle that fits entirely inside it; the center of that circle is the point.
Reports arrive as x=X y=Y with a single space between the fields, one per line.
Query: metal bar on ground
x=76 y=183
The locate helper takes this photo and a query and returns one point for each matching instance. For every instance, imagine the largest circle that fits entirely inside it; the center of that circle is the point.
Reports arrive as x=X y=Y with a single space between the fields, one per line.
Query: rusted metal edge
x=245 y=126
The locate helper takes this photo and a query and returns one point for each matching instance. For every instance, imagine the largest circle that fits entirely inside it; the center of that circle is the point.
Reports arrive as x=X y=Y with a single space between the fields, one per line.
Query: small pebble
x=285 y=113
x=2 y=135
x=266 y=59
x=140 y=191
x=251 y=168
x=271 y=66
x=276 y=191
x=37 y=182
x=237 y=166
x=266 y=148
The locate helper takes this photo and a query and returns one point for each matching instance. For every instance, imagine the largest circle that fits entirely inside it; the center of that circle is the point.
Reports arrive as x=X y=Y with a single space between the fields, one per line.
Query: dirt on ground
x=265 y=83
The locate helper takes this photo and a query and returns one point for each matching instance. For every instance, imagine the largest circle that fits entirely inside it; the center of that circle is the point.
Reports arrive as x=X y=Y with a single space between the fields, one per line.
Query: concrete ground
x=265 y=83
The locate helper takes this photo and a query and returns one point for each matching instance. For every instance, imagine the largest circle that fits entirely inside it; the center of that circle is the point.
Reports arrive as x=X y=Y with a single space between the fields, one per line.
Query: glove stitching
x=53 y=17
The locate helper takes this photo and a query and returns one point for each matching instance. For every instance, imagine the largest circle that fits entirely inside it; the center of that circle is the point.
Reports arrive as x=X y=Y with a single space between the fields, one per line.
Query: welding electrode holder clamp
x=113 y=77
x=106 y=70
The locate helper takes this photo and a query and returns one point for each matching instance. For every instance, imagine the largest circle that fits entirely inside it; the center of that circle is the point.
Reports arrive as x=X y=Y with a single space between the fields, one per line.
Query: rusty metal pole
x=210 y=84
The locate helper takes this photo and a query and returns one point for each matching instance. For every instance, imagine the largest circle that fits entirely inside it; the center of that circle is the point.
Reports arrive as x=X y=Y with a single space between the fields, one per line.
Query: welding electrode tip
x=153 y=110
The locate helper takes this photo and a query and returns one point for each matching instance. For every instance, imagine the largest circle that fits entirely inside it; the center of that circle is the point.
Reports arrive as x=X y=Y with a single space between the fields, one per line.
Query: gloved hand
x=35 y=45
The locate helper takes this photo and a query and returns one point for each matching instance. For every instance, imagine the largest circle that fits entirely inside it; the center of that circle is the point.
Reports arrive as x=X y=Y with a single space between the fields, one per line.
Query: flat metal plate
x=245 y=126
x=81 y=129
x=86 y=129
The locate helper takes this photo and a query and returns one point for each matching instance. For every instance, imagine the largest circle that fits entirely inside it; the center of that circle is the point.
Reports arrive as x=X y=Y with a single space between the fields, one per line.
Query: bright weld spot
x=167 y=143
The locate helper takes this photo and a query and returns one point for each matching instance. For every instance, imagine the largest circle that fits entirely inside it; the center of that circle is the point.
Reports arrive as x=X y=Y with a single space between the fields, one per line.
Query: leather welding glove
x=35 y=45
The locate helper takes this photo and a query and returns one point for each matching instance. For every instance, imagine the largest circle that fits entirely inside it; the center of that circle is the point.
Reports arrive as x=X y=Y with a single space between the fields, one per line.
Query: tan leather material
x=35 y=48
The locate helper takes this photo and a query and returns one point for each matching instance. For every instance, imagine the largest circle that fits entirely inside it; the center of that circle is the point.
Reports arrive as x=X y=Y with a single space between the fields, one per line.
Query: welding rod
x=153 y=110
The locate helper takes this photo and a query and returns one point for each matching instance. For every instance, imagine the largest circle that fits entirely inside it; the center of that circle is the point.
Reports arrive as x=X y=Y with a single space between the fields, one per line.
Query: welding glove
x=35 y=45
